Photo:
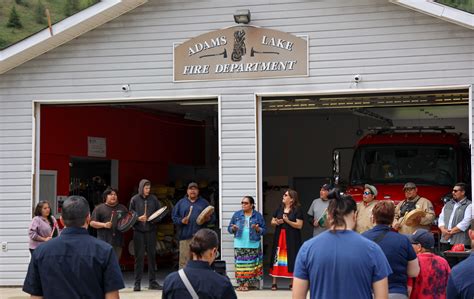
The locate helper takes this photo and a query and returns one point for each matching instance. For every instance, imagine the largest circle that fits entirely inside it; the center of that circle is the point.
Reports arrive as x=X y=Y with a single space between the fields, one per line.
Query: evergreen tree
x=14 y=19
x=40 y=17
x=71 y=7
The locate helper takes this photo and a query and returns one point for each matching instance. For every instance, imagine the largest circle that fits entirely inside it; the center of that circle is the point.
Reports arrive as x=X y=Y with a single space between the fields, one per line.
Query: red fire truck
x=387 y=158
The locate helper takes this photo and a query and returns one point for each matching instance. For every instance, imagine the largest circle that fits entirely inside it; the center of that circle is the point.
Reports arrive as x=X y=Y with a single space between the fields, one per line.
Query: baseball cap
x=371 y=188
x=193 y=185
x=423 y=237
x=409 y=185
x=326 y=187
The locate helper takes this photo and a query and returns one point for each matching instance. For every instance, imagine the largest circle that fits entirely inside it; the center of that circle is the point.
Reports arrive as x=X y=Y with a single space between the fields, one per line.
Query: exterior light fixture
x=242 y=16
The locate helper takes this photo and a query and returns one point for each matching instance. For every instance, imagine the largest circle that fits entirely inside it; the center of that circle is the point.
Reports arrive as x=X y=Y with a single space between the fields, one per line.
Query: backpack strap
x=187 y=284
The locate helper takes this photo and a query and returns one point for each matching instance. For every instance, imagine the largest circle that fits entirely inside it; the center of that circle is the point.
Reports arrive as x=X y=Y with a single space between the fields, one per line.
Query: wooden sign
x=241 y=52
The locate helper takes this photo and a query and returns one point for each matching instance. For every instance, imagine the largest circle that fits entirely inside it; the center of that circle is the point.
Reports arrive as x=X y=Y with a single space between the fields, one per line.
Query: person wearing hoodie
x=144 y=234
x=184 y=215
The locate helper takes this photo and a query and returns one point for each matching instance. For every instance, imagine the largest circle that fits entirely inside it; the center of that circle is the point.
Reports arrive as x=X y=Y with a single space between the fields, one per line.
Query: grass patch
x=465 y=5
x=32 y=16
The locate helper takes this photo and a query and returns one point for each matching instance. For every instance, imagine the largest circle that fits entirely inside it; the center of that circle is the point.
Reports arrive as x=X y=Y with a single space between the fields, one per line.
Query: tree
x=22 y=2
x=40 y=17
x=71 y=7
x=14 y=19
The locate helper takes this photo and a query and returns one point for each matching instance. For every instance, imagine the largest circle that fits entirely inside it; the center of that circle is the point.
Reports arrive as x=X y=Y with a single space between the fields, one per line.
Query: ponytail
x=340 y=206
x=203 y=240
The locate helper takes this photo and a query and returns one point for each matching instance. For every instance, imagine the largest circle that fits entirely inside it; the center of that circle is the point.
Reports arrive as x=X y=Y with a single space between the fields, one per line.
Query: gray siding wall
x=238 y=161
x=471 y=137
x=392 y=47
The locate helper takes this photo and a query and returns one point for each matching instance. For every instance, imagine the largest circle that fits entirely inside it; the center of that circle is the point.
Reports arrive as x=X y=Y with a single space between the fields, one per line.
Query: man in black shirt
x=105 y=217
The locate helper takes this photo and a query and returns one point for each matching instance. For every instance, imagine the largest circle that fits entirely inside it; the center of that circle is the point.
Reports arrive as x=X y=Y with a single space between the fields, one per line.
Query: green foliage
x=32 y=17
x=465 y=5
x=22 y=2
x=14 y=19
x=71 y=7
x=3 y=43
x=40 y=15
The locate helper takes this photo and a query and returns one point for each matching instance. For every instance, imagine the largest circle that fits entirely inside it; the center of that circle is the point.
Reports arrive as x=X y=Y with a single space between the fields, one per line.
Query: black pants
x=144 y=241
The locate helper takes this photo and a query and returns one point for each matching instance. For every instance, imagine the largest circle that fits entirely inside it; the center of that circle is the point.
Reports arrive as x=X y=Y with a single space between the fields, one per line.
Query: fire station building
x=242 y=97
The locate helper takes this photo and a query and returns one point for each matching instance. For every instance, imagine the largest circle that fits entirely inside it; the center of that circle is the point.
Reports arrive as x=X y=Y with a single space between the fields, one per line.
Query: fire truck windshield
x=398 y=164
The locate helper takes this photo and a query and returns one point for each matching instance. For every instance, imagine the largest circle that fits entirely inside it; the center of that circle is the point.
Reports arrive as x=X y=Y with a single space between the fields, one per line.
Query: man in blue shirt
x=340 y=263
x=184 y=215
x=461 y=280
x=74 y=265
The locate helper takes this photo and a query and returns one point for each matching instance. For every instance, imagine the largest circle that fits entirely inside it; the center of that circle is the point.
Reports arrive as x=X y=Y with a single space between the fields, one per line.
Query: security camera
x=126 y=87
x=357 y=78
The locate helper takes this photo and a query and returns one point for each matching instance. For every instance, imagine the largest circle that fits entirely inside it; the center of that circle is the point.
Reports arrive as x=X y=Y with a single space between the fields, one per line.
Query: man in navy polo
x=397 y=248
x=74 y=265
x=461 y=279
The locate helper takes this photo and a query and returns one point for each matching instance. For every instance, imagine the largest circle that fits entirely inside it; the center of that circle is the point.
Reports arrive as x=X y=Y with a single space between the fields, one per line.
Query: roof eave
x=440 y=11
x=64 y=31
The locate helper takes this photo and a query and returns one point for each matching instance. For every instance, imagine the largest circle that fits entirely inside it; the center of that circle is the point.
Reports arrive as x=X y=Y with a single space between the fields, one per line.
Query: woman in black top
x=288 y=221
x=206 y=283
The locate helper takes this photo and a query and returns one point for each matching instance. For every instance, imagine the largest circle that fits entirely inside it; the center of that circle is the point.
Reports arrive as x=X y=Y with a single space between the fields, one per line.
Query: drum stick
x=145 y=208
x=190 y=211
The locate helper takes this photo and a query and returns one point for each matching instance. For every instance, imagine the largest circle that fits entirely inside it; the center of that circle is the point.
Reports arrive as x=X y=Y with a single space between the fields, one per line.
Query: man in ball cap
x=184 y=215
x=434 y=270
x=413 y=201
x=317 y=212
x=364 y=209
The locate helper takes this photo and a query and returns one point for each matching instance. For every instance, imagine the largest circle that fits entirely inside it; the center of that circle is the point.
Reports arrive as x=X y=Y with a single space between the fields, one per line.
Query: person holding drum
x=190 y=214
x=288 y=221
x=43 y=227
x=247 y=226
x=418 y=210
x=104 y=219
x=144 y=204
